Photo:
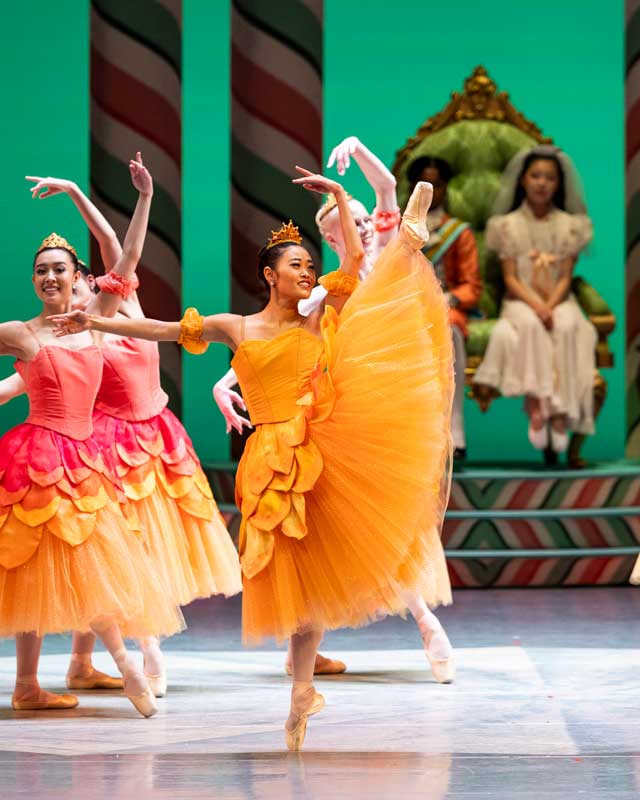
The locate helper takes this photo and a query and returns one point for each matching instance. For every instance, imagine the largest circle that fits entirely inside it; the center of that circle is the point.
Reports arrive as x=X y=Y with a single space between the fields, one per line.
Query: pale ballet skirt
x=70 y=544
x=161 y=475
x=344 y=483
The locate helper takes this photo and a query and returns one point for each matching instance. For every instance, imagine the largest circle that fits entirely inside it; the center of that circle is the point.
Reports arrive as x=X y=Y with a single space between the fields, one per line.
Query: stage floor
x=545 y=706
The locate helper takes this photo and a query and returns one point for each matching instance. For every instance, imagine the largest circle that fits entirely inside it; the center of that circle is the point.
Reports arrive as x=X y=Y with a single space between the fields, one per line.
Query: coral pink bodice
x=62 y=385
x=130 y=388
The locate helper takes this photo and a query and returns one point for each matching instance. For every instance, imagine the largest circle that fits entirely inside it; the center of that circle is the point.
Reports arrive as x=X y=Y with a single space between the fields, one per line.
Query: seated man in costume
x=453 y=252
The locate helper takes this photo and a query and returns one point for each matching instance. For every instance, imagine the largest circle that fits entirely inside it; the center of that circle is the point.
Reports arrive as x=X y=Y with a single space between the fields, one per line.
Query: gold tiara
x=287 y=233
x=328 y=205
x=56 y=241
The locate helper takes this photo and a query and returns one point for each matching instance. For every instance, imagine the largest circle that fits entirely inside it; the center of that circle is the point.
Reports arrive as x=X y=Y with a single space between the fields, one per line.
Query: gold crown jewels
x=287 y=233
x=329 y=204
x=56 y=241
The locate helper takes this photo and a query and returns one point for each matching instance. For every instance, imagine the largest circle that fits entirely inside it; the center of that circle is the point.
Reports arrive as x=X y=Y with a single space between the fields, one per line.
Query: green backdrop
x=386 y=70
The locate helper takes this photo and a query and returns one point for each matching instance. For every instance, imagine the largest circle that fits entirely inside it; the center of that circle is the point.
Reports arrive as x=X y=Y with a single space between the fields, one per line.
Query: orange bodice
x=274 y=374
x=62 y=385
x=130 y=386
x=280 y=462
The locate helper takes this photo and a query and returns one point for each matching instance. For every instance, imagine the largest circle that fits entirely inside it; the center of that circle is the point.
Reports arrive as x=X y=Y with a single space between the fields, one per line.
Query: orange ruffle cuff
x=338 y=283
x=114 y=283
x=191 y=329
x=279 y=465
x=386 y=220
x=50 y=480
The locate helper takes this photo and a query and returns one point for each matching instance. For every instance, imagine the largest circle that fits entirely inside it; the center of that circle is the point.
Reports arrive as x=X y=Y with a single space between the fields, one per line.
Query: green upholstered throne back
x=478 y=133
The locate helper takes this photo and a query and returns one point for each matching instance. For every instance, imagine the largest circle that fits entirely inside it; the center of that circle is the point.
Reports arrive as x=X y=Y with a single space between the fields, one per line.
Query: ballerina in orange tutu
x=153 y=457
x=71 y=554
x=344 y=482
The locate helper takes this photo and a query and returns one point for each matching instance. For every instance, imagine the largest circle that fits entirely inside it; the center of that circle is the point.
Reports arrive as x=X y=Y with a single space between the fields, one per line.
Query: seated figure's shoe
x=414 y=220
x=144 y=702
x=94 y=680
x=539 y=437
x=45 y=701
x=295 y=736
x=323 y=666
x=559 y=440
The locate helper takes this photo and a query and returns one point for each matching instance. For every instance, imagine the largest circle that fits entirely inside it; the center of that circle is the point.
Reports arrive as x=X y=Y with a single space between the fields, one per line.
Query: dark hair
x=269 y=256
x=417 y=167
x=74 y=259
x=84 y=269
x=558 y=198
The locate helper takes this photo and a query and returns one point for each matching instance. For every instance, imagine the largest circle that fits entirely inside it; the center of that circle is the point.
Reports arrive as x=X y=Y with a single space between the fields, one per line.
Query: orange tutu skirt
x=68 y=554
x=181 y=525
x=343 y=503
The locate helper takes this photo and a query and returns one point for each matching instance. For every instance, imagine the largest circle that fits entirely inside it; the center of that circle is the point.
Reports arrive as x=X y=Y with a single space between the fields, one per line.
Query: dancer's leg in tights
x=109 y=633
x=27 y=688
x=304 y=647
x=428 y=624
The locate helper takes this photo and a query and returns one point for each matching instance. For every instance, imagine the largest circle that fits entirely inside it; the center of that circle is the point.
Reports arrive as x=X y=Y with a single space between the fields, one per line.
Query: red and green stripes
x=276 y=123
x=136 y=101
x=632 y=78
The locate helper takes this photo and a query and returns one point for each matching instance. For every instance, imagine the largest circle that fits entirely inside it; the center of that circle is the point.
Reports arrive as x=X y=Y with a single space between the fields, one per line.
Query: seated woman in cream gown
x=542 y=348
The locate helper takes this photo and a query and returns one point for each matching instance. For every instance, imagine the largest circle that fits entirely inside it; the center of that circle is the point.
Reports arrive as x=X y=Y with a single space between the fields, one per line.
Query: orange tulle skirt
x=343 y=503
x=70 y=546
x=181 y=525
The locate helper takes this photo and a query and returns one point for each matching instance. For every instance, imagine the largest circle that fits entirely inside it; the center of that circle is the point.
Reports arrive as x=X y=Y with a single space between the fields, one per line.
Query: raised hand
x=225 y=399
x=47 y=187
x=341 y=154
x=140 y=175
x=73 y=322
x=316 y=183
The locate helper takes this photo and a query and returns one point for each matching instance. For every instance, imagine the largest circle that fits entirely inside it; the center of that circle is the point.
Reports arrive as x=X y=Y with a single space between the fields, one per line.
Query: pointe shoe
x=157 y=683
x=96 y=680
x=539 y=438
x=414 y=219
x=144 y=703
x=559 y=440
x=323 y=666
x=56 y=702
x=295 y=738
x=442 y=669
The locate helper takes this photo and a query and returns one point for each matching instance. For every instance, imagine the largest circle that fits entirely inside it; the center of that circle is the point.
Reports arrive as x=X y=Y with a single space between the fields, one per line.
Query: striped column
x=276 y=121
x=136 y=105
x=632 y=32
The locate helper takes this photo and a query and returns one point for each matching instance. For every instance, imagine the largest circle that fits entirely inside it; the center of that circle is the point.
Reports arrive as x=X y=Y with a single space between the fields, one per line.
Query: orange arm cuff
x=191 y=329
x=114 y=283
x=338 y=283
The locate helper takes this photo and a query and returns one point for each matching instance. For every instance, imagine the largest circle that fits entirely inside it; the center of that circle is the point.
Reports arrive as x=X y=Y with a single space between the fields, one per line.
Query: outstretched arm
x=225 y=399
x=110 y=249
x=379 y=177
x=386 y=216
x=223 y=328
x=354 y=251
x=108 y=301
x=11 y=387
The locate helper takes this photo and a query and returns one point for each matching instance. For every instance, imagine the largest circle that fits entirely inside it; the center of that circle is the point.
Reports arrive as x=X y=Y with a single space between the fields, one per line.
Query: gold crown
x=287 y=233
x=56 y=241
x=329 y=204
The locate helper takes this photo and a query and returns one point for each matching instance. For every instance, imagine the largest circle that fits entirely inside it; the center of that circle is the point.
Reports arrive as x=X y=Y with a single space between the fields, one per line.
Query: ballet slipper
x=323 y=666
x=33 y=698
x=94 y=680
x=436 y=642
x=144 y=702
x=157 y=679
x=305 y=702
x=414 y=220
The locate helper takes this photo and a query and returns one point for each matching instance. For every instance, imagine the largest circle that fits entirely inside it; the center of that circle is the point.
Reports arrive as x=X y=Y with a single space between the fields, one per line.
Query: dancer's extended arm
x=11 y=387
x=354 y=251
x=110 y=249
